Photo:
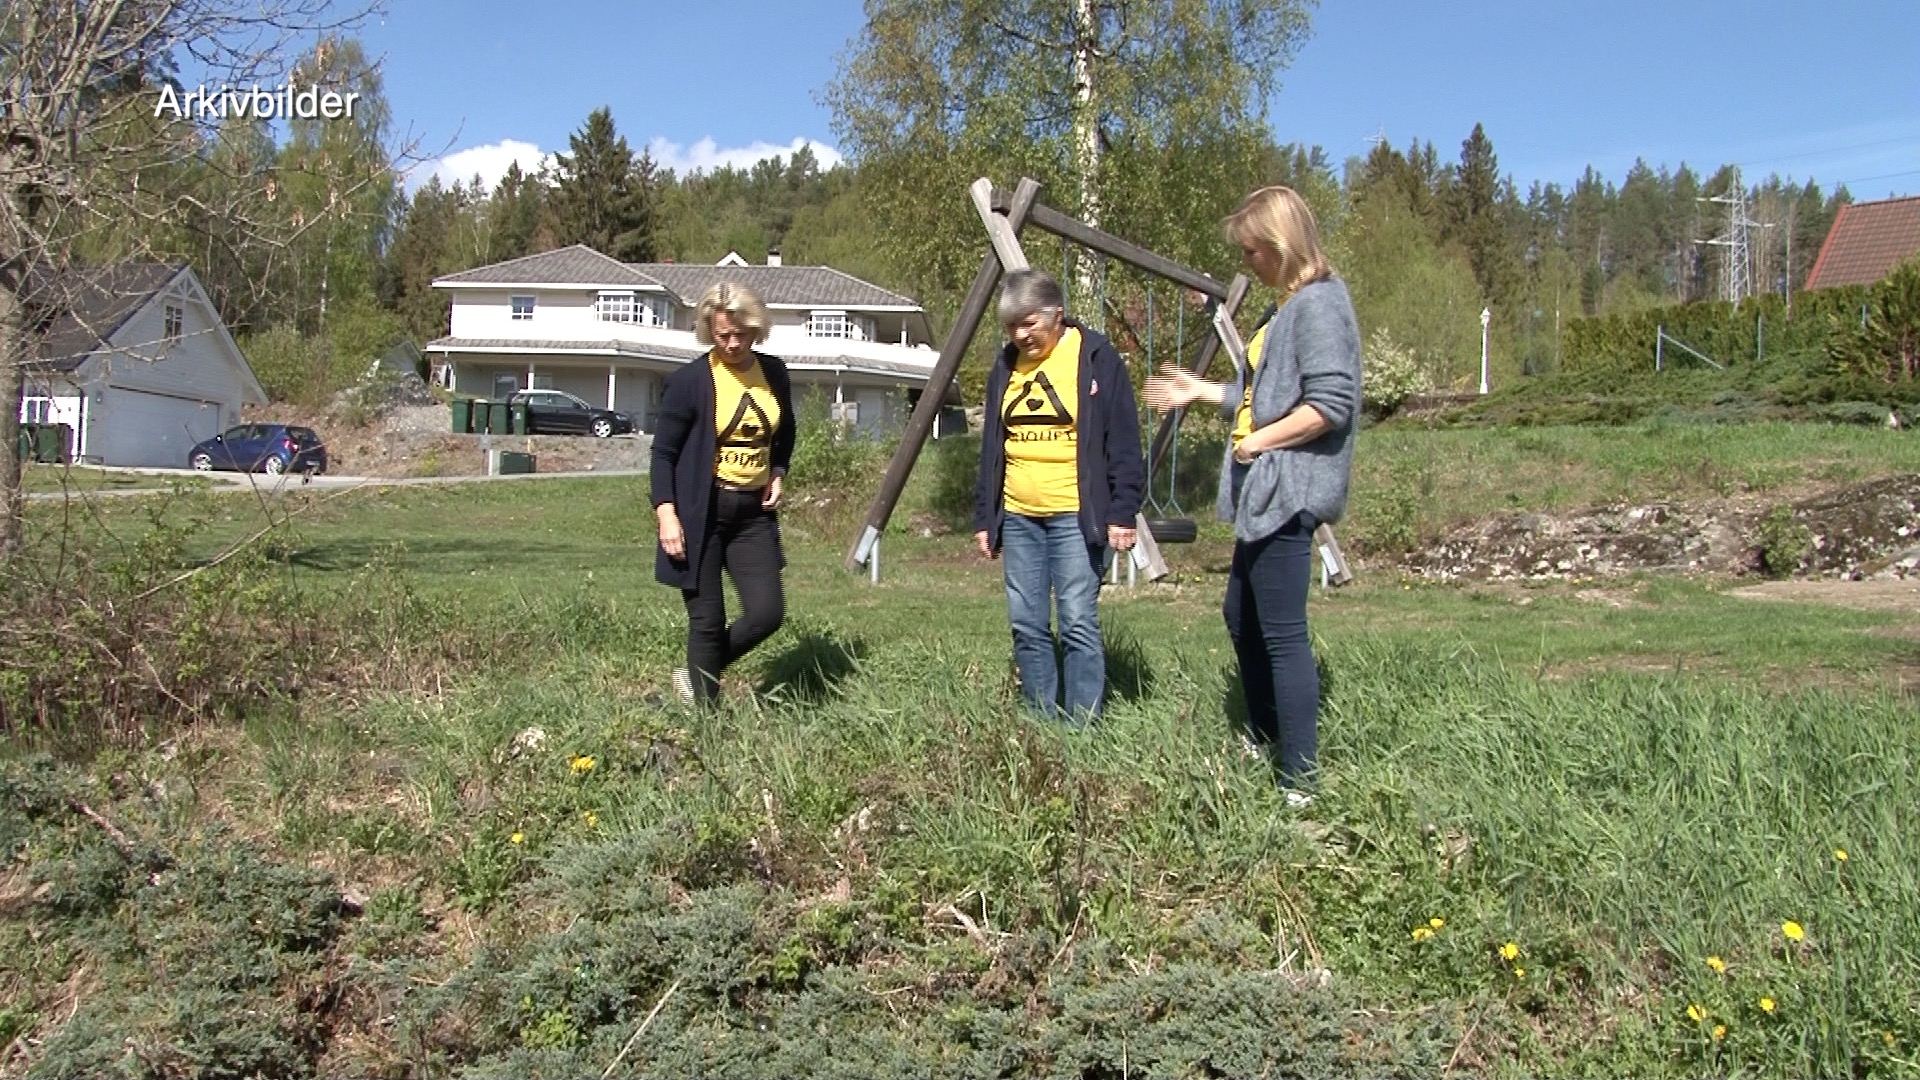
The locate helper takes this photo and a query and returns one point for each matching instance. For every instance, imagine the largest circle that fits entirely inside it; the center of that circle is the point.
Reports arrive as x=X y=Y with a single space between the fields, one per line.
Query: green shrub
x=828 y=456
x=1391 y=374
x=1885 y=345
x=1785 y=542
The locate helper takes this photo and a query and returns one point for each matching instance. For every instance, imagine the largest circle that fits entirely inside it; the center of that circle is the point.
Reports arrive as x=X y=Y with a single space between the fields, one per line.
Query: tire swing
x=1167 y=520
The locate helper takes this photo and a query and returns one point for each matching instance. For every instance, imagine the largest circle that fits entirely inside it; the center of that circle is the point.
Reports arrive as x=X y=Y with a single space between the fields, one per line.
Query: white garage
x=145 y=354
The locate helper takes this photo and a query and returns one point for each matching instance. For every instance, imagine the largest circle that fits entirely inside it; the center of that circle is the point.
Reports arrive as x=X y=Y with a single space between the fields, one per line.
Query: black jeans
x=1266 y=612
x=746 y=542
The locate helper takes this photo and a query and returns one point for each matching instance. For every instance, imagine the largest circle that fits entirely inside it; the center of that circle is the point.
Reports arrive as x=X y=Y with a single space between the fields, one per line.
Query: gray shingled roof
x=628 y=348
x=813 y=285
x=576 y=265
x=862 y=363
x=89 y=306
x=669 y=352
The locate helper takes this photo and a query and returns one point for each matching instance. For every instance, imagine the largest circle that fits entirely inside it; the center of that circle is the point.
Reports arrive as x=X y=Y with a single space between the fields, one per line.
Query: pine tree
x=602 y=194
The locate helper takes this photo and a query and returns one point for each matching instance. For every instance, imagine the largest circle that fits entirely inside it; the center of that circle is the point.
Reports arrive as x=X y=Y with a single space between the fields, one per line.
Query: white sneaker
x=1298 y=800
x=683 y=684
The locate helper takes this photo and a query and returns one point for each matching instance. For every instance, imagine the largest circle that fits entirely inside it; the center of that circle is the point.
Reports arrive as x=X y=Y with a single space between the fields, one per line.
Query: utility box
x=508 y=463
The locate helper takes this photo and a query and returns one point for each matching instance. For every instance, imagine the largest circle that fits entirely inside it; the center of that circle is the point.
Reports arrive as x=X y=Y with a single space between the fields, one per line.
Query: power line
x=1882 y=176
x=1833 y=150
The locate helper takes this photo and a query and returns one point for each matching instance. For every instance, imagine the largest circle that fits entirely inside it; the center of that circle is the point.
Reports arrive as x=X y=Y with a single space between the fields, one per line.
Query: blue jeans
x=1048 y=560
x=1266 y=612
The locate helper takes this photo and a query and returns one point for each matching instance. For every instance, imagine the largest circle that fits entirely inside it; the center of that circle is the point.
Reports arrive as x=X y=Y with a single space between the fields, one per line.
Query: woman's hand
x=1121 y=538
x=673 y=540
x=770 y=499
x=981 y=543
x=1176 y=388
x=1247 y=449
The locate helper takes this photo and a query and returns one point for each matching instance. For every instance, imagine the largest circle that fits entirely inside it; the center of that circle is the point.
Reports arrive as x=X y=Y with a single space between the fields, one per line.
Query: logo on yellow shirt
x=1036 y=405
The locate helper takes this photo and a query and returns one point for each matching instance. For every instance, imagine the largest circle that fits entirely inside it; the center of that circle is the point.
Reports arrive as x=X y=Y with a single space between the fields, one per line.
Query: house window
x=522 y=307
x=838 y=324
x=174 y=316
x=616 y=307
x=657 y=311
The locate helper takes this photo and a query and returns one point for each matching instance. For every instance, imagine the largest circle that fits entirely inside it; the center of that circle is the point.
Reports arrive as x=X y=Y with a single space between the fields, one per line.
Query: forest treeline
x=1427 y=235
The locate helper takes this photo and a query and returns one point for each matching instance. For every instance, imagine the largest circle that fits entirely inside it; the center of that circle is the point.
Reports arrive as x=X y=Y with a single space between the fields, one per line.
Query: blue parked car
x=268 y=448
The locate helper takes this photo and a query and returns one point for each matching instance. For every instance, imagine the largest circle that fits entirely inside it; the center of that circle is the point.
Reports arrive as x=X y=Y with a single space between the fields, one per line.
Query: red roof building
x=1867 y=241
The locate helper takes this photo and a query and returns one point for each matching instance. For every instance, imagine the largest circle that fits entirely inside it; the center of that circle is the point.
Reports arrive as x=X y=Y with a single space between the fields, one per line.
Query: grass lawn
x=37 y=479
x=1645 y=828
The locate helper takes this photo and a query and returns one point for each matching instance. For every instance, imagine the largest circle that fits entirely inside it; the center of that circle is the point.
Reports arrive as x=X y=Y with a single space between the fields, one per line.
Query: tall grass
x=870 y=862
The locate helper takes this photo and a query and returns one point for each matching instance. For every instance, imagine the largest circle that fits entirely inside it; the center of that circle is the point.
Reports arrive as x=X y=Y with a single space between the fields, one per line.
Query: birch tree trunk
x=1086 y=145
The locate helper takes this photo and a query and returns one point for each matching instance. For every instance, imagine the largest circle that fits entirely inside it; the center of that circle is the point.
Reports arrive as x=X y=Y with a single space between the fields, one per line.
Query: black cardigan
x=683 y=450
x=1112 y=470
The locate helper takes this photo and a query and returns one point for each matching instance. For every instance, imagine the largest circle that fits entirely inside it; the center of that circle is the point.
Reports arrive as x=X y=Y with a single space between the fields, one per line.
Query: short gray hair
x=1028 y=291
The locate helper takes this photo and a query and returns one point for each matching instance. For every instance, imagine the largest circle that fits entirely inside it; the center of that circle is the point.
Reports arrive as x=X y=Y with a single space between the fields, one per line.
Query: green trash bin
x=53 y=442
x=518 y=417
x=497 y=417
x=480 y=412
x=462 y=416
x=26 y=443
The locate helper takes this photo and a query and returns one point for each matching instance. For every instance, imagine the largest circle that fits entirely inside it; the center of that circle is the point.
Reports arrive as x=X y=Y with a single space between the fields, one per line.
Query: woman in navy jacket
x=1059 y=484
x=720 y=452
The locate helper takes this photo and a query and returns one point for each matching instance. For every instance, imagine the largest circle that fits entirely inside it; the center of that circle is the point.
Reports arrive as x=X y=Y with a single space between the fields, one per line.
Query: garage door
x=136 y=428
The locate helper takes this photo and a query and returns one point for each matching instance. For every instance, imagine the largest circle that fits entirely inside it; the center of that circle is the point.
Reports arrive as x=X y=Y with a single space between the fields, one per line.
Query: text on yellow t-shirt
x=1039 y=409
x=745 y=414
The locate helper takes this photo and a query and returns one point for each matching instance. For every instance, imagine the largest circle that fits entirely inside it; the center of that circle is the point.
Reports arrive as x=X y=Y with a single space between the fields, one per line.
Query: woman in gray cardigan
x=1293 y=413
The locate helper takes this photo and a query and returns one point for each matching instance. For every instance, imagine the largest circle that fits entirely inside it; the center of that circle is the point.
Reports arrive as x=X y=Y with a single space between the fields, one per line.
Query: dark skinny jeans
x=746 y=542
x=1266 y=612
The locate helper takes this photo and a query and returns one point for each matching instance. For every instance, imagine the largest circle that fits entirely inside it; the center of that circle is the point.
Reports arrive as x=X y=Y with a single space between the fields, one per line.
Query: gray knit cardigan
x=1311 y=356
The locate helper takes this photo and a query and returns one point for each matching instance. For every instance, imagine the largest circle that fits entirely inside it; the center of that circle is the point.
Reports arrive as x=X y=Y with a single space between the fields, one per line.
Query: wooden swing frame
x=1004 y=215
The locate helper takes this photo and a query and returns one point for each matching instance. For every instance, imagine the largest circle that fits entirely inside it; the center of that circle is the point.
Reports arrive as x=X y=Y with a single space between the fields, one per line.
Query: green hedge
x=1624 y=343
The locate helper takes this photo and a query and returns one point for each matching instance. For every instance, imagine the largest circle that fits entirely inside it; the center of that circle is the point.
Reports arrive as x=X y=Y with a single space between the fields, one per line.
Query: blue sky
x=1830 y=91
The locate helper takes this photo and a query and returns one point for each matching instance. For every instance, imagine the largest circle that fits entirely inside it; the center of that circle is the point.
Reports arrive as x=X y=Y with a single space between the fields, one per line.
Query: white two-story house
x=609 y=332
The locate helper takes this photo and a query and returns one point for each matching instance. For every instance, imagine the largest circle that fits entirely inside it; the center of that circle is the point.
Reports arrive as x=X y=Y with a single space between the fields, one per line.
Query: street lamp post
x=1486 y=319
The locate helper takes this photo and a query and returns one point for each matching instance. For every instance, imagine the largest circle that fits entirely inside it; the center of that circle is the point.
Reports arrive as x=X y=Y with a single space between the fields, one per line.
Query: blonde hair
x=1280 y=219
x=740 y=305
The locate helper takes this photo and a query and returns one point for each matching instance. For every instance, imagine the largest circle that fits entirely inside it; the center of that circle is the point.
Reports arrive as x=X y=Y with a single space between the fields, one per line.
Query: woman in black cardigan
x=720 y=453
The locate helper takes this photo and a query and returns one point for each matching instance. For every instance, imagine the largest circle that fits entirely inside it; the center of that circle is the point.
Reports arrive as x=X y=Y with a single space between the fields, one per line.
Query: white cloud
x=488 y=162
x=706 y=155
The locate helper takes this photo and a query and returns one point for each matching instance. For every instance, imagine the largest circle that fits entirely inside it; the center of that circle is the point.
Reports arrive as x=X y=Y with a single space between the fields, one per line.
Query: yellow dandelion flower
x=1767 y=1004
x=1888 y=1038
x=582 y=765
x=517 y=838
x=1719 y=1032
x=1519 y=973
x=1510 y=951
x=1421 y=933
x=592 y=819
x=1793 y=931
x=1718 y=965
x=1840 y=854
x=1436 y=922
x=1696 y=1014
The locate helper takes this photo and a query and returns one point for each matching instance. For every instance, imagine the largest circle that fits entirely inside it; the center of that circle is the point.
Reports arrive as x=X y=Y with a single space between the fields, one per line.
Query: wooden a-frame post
x=920 y=424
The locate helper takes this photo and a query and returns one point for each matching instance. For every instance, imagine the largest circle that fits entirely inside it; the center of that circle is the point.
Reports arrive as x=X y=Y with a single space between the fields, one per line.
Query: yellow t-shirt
x=745 y=414
x=1043 y=443
x=1243 y=417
